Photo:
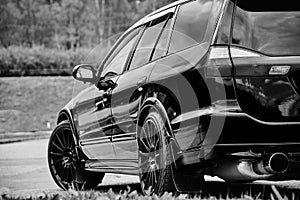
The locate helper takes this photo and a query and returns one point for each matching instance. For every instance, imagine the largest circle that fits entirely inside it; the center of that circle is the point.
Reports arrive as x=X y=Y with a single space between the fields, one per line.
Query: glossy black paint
x=92 y=118
x=125 y=105
x=270 y=98
x=231 y=103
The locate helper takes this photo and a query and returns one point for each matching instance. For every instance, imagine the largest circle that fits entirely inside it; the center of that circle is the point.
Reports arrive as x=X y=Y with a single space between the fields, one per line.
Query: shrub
x=40 y=61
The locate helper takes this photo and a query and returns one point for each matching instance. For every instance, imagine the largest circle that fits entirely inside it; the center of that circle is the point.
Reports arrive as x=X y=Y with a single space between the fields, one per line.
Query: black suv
x=199 y=87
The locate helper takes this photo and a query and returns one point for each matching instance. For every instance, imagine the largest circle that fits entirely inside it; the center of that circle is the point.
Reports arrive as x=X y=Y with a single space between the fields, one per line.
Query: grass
x=110 y=195
x=134 y=195
x=32 y=103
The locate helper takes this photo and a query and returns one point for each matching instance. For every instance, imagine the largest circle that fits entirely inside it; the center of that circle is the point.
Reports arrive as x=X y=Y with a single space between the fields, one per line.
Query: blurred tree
x=68 y=24
x=5 y=21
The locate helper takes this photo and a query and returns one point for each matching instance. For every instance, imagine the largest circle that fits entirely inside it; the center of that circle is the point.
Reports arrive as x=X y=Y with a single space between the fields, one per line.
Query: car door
x=93 y=113
x=127 y=95
x=91 y=119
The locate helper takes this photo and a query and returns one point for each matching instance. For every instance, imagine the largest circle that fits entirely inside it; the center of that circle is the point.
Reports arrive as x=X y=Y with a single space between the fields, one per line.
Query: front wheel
x=154 y=156
x=64 y=163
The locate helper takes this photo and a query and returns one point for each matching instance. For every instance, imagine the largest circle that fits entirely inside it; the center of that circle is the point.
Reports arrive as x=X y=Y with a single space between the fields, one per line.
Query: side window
x=223 y=35
x=191 y=24
x=146 y=45
x=242 y=30
x=162 y=43
x=116 y=61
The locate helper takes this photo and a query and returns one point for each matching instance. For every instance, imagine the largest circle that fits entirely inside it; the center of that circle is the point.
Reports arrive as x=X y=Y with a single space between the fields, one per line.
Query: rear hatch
x=265 y=54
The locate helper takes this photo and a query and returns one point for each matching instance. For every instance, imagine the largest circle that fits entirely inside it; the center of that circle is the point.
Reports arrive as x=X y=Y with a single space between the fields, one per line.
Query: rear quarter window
x=190 y=25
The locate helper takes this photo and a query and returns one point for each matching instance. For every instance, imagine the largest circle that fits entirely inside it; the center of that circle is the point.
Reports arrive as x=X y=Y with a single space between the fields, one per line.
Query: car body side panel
x=92 y=122
x=178 y=73
x=183 y=73
x=125 y=103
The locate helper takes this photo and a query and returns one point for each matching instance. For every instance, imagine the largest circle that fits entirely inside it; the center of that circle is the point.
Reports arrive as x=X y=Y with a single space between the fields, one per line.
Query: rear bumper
x=224 y=124
x=241 y=138
x=241 y=129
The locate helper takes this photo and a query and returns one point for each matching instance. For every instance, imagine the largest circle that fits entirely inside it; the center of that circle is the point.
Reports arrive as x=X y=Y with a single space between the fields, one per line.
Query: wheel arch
x=65 y=115
x=147 y=104
x=62 y=116
x=155 y=94
x=152 y=97
x=153 y=101
x=160 y=93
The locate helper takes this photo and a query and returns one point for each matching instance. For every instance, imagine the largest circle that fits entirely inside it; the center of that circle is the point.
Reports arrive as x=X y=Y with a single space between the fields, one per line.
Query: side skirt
x=123 y=166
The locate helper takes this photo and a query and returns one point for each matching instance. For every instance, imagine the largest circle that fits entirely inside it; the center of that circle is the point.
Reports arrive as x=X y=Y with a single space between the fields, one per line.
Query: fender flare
x=68 y=114
x=153 y=101
x=144 y=108
x=176 y=152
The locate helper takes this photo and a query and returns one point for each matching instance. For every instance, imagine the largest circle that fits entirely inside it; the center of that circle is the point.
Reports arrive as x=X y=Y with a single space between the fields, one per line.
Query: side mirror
x=85 y=73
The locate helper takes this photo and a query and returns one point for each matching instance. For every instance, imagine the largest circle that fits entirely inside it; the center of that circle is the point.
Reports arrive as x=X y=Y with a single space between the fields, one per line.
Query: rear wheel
x=64 y=163
x=154 y=156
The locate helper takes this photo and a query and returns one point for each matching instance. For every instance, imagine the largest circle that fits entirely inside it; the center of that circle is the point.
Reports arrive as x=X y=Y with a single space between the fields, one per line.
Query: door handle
x=100 y=104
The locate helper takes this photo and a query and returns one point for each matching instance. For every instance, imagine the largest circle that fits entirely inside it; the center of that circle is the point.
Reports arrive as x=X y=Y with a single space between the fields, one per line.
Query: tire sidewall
x=90 y=179
x=62 y=125
x=154 y=115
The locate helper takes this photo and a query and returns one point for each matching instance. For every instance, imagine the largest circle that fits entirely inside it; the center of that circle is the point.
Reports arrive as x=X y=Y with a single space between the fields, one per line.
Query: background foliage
x=48 y=37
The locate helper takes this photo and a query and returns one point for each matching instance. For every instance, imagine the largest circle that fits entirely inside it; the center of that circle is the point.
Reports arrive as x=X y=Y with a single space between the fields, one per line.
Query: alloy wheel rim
x=63 y=158
x=150 y=156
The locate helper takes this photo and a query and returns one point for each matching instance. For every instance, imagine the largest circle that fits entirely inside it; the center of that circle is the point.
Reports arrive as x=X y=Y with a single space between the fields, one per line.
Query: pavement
x=24 y=167
x=24 y=136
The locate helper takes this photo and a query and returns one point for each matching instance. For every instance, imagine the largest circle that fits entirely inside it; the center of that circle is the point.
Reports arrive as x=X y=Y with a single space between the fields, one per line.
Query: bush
x=40 y=61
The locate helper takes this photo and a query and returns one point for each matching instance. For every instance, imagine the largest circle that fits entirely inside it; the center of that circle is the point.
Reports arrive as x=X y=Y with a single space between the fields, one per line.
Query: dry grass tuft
x=6 y=194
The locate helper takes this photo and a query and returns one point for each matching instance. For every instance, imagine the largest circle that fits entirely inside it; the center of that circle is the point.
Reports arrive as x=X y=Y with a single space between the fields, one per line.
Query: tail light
x=246 y=63
x=235 y=52
x=220 y=63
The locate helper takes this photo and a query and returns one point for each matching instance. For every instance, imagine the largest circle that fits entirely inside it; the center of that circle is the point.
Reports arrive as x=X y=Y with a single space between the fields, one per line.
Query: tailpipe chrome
x=247 y=170
x=275 y=163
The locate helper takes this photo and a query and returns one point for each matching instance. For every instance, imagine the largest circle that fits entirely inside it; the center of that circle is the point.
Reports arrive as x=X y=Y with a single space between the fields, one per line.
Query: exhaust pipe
x=276 y=163
x=236 y=170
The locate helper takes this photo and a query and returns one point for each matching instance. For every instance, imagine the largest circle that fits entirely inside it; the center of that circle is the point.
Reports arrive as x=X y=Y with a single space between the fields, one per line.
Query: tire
x=154 y=156
x=64 y=163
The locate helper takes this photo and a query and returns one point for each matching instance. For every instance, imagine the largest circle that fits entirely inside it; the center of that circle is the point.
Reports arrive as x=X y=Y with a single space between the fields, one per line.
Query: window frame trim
x=99 y=72
x=168 y=12
x=160 y=34
x=208 y=41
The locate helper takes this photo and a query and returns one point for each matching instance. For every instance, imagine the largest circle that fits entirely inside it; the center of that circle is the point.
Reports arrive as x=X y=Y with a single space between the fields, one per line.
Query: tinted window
x=273 y=33
x=269 y=5
x=190 y=25
x=162 y=43
x=146 y=45
x=223 y=35
x=242 y=29
x=117 y=59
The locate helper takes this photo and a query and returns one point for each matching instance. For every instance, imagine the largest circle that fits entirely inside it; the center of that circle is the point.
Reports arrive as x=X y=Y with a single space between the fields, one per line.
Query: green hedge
x=40 y=61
